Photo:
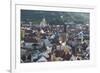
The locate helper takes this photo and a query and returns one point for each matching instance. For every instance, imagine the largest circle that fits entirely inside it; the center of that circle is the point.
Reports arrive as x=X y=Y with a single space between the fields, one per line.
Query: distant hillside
x=53 y=17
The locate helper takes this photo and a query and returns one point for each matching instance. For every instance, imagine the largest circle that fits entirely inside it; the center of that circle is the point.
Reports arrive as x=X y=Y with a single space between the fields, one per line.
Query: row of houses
x=44 y=42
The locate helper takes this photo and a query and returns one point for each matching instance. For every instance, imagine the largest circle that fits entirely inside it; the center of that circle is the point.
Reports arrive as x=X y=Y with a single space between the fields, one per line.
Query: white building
x=43 y=23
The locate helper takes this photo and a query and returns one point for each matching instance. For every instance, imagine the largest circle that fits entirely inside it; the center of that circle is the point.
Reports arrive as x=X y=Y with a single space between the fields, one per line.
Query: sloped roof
x=42 y=59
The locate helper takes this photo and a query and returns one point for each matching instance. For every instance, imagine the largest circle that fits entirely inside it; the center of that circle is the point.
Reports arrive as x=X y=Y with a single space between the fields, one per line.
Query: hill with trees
x=54 y=17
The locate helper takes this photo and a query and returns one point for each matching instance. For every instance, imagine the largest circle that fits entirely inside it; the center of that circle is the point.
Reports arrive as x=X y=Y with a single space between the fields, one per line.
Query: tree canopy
x=54 y=17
